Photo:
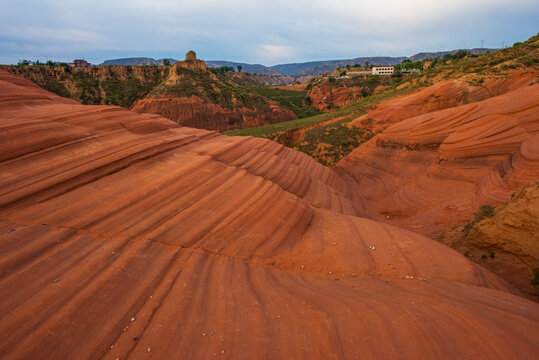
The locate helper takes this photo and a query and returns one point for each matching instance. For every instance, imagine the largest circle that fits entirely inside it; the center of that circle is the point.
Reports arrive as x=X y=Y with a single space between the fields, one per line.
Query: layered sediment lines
x=326 y=96
x=195 y=112
x=127 y=236
x=507 y=243
x=443 y=95
x=429 y=173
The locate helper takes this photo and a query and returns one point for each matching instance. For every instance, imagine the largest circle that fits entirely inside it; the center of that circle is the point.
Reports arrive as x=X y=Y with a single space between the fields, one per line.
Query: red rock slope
x=429 y=173
x=126 y=236
x=444 y=95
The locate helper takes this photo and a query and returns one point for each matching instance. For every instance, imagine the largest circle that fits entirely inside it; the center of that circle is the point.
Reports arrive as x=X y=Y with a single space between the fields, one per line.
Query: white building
x=383 y=70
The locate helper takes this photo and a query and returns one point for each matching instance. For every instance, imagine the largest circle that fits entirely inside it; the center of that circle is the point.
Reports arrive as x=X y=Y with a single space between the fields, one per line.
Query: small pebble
x=387 y=281
x=135 y=338
x=302 y=267
x=149 y=349
x=354 y=286
x=211 y=333
x=336 y=278
x=354 y=275
x=203 y=334
x=56 y=280
x=330 y=272
x=132 y=319
x=222 y=351
x=112 y=346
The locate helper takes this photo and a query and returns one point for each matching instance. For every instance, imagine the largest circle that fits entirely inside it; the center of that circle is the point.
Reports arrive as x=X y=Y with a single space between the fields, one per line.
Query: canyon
x=127 y=235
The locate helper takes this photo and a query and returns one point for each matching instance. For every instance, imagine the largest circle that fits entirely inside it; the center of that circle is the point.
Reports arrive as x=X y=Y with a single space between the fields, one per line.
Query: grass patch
x=296 y=101
x=485 y=211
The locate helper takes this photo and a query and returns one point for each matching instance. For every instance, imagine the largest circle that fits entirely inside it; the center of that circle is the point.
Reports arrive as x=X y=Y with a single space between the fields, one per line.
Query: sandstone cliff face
x=195 y=112
x=114 y=85
x=443 y=95
x=508 y=243
x=193 y=96
x=125 y=235
x=431 y=172
x=326 y=97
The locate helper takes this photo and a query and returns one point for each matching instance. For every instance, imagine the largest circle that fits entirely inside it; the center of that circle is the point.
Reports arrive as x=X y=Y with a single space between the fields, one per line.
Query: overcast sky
x=257 y=31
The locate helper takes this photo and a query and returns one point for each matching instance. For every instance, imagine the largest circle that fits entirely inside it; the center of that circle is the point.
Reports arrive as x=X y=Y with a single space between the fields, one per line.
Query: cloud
x=257 y=31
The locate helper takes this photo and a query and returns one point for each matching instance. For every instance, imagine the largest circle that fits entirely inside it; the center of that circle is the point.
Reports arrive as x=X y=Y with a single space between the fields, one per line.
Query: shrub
x=485 y=211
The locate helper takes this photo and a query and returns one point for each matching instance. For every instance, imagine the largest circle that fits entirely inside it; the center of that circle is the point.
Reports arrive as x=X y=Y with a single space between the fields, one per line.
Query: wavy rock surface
x=430 y=173
x=127 y=236
x=440 y=96
x=508 y=243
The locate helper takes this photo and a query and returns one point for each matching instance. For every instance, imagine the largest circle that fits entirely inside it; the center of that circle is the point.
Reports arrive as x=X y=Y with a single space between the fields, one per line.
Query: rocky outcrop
x=443 y=95
x=477 y=153
x=193 y=96
x=508 y=242
x=195 y=112
x=326 y=96
x=124 y=235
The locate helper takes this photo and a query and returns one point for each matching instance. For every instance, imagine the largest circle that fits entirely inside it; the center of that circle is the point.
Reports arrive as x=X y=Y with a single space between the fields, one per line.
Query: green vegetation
x=330 y=142
x=297 y=101
x=535 y=280
x=124 y=92
x=214 y=89
x=88 y=91
x=222 y=69
x=485 y=211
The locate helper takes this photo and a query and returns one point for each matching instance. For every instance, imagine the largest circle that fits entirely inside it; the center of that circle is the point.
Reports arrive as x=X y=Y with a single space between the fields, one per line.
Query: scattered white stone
x=330 y=272
x=132 y=319
x=149 y=349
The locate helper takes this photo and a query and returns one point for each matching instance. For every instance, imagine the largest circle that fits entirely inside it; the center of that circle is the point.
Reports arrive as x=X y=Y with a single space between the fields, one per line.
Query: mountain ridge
x=303 y=68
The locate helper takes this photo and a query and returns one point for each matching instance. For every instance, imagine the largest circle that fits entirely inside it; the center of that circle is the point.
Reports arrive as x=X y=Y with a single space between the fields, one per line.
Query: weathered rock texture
x=127 y=236
x=193 y=96
x=326 y=97
x=431 y=172
x=444 y=95
x=508 y=242
x=195 y=112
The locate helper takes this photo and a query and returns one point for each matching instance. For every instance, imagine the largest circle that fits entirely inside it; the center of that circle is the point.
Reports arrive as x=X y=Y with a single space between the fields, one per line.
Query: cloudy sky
x=256 y=31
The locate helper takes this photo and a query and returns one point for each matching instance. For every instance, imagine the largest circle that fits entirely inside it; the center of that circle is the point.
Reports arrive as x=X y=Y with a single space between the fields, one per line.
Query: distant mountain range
x=300 y=69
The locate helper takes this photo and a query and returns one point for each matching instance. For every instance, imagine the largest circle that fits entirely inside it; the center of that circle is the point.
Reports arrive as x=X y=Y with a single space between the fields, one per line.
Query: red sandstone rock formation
x=126 y=236
x=431 y=172
x=186 y=108
x=442 y=95
x=195 y=112
x=508 y=242
x=326 y=96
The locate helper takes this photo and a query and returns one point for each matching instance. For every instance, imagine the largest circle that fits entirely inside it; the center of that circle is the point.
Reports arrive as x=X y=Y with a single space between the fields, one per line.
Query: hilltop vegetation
x=109 y=85
x=330 y=136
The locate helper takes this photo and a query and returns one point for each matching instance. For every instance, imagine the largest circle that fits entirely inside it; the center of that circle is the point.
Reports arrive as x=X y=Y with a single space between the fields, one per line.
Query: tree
x=239 y=68
x=166 y=62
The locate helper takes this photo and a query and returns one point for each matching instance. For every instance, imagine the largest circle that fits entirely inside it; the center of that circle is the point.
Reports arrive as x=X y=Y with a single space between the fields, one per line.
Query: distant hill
x=137 y=61
x=440 y=54
x=131 y=61
x=301 y=69
x=320 y=67
x=248 y=68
